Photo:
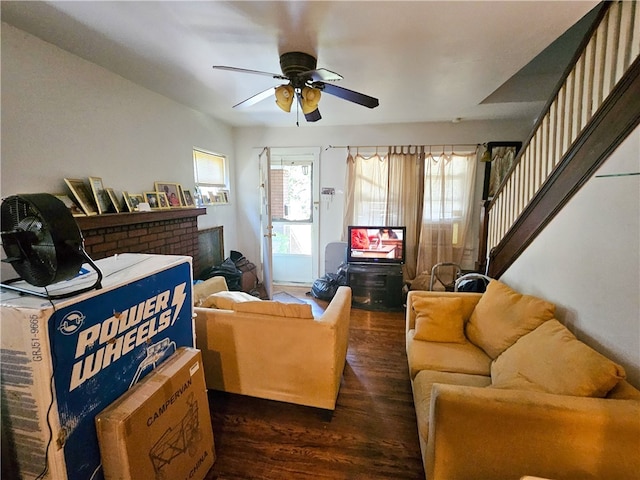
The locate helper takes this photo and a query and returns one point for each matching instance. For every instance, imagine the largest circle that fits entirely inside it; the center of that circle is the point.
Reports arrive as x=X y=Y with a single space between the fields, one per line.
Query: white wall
x=65 y=117
x=587 y=261
x=333 y=163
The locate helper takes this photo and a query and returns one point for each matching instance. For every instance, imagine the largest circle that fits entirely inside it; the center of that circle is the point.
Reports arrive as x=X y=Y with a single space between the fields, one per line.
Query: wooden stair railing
x=595 y=107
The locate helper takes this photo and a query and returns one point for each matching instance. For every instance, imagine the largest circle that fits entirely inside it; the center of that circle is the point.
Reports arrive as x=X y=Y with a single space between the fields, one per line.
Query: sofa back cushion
x=278 y=309
x=503 y=315
x=439 y=319
x=553 y=360
x=226 y=300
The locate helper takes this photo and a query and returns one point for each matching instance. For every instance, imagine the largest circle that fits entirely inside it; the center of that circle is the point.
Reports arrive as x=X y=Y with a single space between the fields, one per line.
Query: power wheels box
x=161 y=428
x=65 y=360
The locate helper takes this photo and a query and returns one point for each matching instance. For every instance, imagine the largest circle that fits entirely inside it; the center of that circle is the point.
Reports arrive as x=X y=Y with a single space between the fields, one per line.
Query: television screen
x=376 y=244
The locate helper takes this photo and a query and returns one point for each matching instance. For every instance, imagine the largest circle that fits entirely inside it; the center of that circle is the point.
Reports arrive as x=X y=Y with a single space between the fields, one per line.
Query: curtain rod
x=391 y=146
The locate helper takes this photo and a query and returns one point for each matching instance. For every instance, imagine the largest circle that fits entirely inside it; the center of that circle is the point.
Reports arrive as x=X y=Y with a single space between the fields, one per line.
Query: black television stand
x=375 y=286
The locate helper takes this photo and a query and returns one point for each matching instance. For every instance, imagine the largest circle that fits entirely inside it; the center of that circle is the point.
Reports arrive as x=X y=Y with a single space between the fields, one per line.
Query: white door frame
x=266 y=228
x=314 y=154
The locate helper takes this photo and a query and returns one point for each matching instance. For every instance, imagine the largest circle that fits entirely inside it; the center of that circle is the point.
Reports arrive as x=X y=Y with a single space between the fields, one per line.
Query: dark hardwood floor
x=372 y=433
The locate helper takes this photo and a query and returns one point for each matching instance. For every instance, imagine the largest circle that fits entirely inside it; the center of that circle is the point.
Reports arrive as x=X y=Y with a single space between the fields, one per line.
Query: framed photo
x=182 y=200
x=75 y=210
x=188 y=199
x=82 y=195
x=152 y=199
x=115 y=203
x=131 y=200
x=99 y=195
x=172 y=191
x=163 y=201
x=221 y=196
x=502 y=156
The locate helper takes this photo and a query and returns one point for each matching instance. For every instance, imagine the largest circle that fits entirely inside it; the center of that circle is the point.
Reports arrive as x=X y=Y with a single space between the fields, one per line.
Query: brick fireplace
x=167 y=232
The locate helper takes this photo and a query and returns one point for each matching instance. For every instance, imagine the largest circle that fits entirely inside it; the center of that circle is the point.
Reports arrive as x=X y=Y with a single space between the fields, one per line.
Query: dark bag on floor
x=473 y=282
x=249 y=280
x=229 y=271
x=325 y=288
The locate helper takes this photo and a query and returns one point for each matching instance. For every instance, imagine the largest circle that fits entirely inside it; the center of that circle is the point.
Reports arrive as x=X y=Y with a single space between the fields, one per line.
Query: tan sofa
x=503 y=390
x=264 y=349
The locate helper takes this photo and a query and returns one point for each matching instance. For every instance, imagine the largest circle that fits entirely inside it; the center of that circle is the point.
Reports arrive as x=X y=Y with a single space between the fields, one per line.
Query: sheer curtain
x=382 y=190
x=366 y=196
x=404 y=187
x=449 y=185
x=432 y=195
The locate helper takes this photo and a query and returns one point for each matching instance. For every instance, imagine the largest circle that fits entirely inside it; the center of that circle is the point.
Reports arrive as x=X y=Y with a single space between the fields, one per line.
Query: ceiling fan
x=306 y=82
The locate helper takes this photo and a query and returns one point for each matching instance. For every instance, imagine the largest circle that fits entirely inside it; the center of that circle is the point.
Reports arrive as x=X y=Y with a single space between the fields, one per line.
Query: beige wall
x=65 y=117
x=587 y=261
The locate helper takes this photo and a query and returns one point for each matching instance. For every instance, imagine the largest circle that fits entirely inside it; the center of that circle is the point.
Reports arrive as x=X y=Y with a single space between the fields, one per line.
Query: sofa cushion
x=202 y=290
x=446 y=357
x=553 y=359
x=422 y=387
x=503 y=315
x=439 y=319
x=278 y=309
x=226 y=300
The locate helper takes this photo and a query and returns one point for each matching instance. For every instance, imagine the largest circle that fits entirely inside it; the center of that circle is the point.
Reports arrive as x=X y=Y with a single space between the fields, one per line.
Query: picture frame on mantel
x=82 y=195
x=502 y=156
x=115 y=203
x=99 y=195
x=132 y=200
x=172 y=191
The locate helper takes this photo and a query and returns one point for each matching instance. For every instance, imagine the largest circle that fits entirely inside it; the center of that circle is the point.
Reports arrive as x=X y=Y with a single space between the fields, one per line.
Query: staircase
x=595 y=107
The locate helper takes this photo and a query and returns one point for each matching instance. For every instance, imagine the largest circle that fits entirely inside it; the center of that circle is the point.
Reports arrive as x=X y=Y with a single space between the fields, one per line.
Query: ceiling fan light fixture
x=310 y=98
x=284 y=97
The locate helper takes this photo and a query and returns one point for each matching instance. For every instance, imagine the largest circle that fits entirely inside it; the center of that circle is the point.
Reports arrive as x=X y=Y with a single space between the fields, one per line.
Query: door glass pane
x=291 y=195
x=292 y=238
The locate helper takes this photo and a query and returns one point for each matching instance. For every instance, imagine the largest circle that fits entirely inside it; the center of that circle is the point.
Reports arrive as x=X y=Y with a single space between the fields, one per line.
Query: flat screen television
x=376 y=244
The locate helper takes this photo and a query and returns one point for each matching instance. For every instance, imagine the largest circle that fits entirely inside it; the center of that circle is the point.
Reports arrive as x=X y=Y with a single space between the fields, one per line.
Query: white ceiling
x=425 y=60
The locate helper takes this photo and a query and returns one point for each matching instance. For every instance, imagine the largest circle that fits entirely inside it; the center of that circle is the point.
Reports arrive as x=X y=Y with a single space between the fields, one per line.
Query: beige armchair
x=296 y=360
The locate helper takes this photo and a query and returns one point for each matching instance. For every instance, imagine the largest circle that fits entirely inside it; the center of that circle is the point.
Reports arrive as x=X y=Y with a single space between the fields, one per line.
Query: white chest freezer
x=63 y=361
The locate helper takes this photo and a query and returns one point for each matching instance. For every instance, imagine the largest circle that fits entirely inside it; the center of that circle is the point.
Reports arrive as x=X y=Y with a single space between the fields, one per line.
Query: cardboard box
x=161 y=428
x=65 y=360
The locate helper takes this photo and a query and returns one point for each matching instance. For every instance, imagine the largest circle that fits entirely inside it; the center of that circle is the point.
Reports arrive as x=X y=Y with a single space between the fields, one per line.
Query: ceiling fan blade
x=321 y=75
x=346 y=94
x=254 y=72
x=258 y=97
x=312 y=116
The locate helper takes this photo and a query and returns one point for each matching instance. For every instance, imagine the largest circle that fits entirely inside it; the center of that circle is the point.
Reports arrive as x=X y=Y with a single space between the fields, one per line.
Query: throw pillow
x=278 y=309
x=503 y=315
x=551 y=358
x=439 y=319
x=226 y=300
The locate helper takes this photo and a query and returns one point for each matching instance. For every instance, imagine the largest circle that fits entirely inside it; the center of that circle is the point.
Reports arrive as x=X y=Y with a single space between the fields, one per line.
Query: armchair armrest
x=490 y=433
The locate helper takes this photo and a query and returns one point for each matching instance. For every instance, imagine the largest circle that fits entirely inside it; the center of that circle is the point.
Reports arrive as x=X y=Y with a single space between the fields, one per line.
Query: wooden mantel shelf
x=118 y=219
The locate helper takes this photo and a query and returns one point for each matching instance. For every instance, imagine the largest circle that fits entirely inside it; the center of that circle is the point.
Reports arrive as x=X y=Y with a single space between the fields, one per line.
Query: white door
x=294 y=191
x=265 y=222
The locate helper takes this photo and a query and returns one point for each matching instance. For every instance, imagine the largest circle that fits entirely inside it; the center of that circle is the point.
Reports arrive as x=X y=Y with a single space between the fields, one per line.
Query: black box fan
x=43 y=243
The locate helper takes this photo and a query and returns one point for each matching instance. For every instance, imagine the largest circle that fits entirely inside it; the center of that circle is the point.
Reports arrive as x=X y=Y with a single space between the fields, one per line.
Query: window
x=211 y=175
x=431 y=194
